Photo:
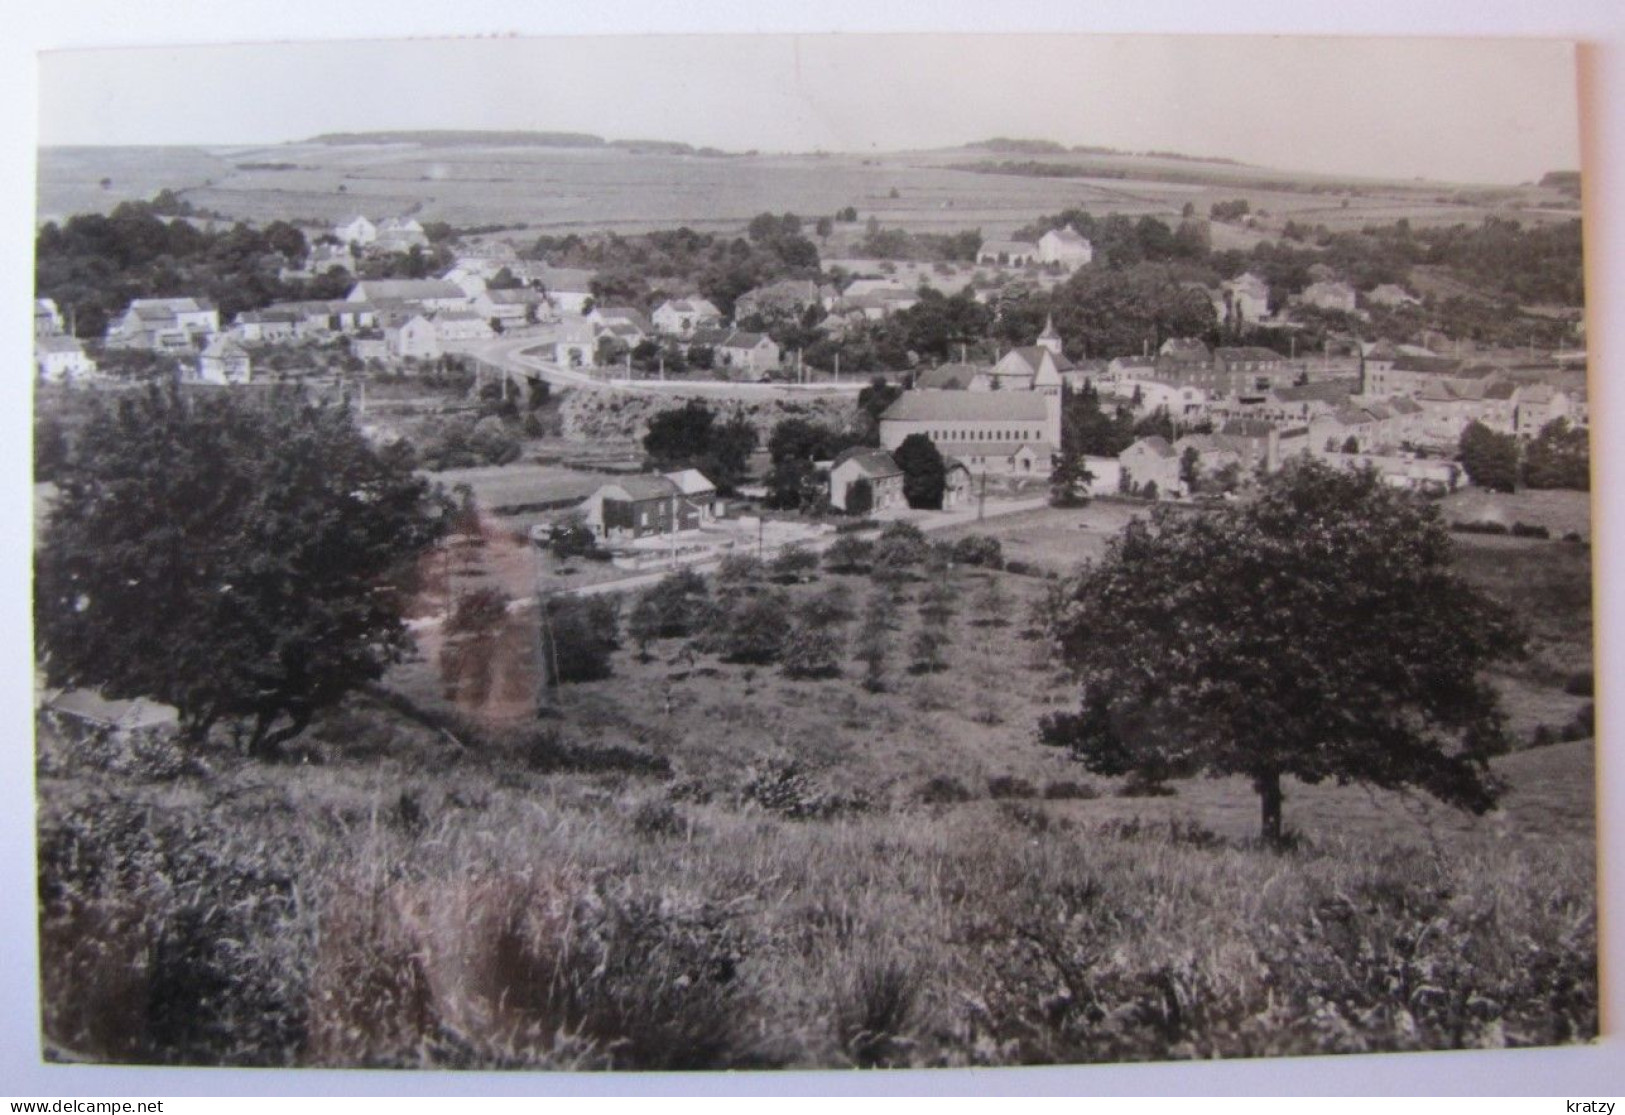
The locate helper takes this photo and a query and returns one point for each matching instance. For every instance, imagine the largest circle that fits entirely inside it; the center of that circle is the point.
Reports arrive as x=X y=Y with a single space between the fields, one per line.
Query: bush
x=1483 y=526
x=978 y=549
x=1583 y=726
x=793 y=564
x=901 y=548
x=578 y=636
x=1528 y=530
x=944 y=789
x=849 y=554
x=1069 y=791
x=754 y=630
x=1009 y=786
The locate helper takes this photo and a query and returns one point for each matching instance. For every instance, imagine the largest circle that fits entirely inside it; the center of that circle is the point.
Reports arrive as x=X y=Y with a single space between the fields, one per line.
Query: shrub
x=1528 y=530
x=753 y=631
x=1069 y=791
x=874 y=1009
x=849 y=554
x=788 y=790
x=1483 y=526
x=979 y=549
x=944 y=789
x=1583 y=726
x=1009 y=786
x=901 y=548
x=793 y=564
x=578 y=636
x=738 y=568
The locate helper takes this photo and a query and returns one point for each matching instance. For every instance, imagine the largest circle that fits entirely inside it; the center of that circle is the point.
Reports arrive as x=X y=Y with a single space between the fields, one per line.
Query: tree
x=849 y=554
x=860 y=497
x=899 y=550
x=874 y=640
x=925 y=473
x=691 y=437
x=245 y=562
x=1318 y=632
x=1489 y=459
x=1559 y=457
x=579 y=633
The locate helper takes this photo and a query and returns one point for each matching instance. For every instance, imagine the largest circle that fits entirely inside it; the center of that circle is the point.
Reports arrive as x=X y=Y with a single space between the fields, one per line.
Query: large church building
x=1008 y=419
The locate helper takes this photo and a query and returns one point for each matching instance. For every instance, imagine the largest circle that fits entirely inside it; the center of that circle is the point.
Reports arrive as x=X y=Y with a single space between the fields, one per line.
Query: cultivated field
x=556 y=190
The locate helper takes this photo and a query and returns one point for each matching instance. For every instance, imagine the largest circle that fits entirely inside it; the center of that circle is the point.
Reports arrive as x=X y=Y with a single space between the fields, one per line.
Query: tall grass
x=553 y=924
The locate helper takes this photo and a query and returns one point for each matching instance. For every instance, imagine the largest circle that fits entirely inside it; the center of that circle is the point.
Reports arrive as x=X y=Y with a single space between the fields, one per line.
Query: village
x=1210 y=418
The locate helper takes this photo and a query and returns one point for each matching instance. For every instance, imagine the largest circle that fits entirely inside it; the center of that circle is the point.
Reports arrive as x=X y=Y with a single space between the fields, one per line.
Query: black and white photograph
x=661 y=553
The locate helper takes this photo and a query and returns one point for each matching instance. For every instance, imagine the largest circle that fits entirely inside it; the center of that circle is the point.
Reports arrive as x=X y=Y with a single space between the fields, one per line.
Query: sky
x=1465 y=110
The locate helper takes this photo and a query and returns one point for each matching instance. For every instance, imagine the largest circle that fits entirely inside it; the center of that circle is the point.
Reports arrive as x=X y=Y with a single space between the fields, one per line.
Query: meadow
x=695 y=863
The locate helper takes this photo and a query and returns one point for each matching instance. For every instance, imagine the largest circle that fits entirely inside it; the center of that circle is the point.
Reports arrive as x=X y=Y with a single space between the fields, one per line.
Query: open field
x=557 y=190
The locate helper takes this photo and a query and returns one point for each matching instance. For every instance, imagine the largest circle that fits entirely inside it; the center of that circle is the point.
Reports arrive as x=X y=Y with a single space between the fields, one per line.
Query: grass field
x=559 y=190
x=695 y=863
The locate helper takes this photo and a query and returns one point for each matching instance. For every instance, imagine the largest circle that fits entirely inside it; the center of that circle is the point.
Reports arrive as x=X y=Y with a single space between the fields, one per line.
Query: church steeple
x=1049 y=338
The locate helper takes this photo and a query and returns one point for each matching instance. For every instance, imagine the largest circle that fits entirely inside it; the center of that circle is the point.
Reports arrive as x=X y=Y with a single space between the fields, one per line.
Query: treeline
x=643 y=270
x=1558 y=457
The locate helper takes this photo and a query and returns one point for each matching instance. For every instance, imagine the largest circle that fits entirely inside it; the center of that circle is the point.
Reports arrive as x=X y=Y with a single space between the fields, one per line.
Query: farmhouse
x=755 y=352
x=1150 y=461
x=682 y=316
x=164 y=324
x=224 y=361
x=872 y=466
x=258 y=326
x=1065 y=246
x=997 y=431
x=461 y=325
x=60 y=359
x=633 y=507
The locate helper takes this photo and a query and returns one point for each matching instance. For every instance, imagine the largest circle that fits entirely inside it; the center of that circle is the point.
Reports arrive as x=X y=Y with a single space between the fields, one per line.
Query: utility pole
x=981 y=498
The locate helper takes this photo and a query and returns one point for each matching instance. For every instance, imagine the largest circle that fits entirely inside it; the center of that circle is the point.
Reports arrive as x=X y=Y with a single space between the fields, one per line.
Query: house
x=682 y=316
x=1214 y=453
x=1337 y=296
x=1007 y=253
x=697 y=488
x=568 y=289
x=626 y=323
x=1536 y=404
x=461 y=325
x=998 y=431
x=411 y=294
x=61 y=359
x=755 y=352
x=47 y=318
x=787 y=296
x=224 y=361
x=1246 y=298
x=633 y=507
x=412 y=336
x=356 y=230
x=575 y=344
x=513 y=308
x=1150 y=461
x=263 y=326
x=399 y=234
x=874 y=466
x=1251 y=370
x=164 y=324
x=1065 y=246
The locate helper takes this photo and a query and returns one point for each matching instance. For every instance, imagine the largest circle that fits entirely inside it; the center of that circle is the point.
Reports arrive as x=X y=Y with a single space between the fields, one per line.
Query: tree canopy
x=925 y=473
x=1317 y=632
x=691 y=437
x=246 y=562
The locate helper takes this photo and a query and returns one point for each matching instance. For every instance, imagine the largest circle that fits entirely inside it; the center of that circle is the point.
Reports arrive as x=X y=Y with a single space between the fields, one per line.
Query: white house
x=400 y=234
x=461 y=325
x=47 y=318
x=1330 y=296
x=1151 y=460
x=61 y=359
x=752 y=352
x=413 y=336
x=1065 y=246
x=569 y=289
x=1247 y=297
x=356 y=230
x=420 y=294
x=682 y=316
x=164 y=324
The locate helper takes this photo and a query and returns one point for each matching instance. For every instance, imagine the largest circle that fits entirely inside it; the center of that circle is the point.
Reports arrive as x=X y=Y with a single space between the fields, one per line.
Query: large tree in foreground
x=243 y=561
x=1317 y=632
